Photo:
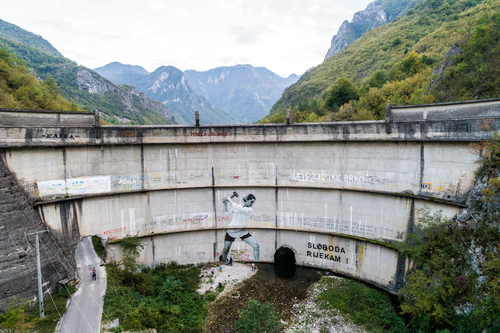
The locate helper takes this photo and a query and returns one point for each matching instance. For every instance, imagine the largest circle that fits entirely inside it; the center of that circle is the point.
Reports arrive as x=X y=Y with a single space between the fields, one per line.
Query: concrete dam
x=338 y=195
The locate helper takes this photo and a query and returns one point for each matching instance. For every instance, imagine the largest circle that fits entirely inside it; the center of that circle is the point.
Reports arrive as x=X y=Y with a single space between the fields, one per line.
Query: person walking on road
x=94 y=275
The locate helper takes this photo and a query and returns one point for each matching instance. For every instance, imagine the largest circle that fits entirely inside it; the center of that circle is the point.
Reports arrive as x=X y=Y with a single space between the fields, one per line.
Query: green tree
x=131 y=246
x=341 y=93
x=52 y=86
x=258 y=318
x=378 y=78
x=412 y=64
x=475 y=72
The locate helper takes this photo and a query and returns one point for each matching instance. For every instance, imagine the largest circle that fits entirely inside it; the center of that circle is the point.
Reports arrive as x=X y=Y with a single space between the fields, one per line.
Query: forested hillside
x=17 y=34
x=77 y=85
x=19 y=89
x=394 y=64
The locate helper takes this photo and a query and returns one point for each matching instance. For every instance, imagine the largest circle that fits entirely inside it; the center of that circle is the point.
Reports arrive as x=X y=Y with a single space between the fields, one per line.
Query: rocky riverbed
x=296 y=298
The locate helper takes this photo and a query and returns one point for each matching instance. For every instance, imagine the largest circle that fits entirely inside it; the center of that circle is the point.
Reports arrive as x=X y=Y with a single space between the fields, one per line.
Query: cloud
x=227 y=60
x=245 y=35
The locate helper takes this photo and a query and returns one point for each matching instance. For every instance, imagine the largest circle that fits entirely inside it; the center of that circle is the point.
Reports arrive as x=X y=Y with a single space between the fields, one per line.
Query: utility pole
x=38 y=270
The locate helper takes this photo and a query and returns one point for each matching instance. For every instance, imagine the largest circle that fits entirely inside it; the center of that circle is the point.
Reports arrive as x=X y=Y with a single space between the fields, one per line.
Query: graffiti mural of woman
x=241 y=213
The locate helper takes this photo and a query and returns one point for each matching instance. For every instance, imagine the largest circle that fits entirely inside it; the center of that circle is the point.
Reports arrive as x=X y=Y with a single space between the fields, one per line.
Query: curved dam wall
x=337 y=194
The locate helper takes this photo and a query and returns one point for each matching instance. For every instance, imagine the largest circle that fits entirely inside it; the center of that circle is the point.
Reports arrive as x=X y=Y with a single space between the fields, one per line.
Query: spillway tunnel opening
x=284 y=263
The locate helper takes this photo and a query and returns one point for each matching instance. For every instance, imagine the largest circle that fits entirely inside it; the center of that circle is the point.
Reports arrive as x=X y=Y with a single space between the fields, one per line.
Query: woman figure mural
x=241 y=213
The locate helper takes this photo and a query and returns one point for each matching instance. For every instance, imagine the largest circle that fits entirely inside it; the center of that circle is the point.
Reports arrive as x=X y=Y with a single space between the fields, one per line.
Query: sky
x=285 y=36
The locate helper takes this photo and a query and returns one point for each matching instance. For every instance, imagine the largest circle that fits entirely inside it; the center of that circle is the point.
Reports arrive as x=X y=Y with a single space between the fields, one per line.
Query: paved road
x=85 y=309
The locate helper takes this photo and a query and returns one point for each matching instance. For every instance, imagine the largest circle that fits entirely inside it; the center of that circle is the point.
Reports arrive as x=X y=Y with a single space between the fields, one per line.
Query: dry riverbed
x=296 y=299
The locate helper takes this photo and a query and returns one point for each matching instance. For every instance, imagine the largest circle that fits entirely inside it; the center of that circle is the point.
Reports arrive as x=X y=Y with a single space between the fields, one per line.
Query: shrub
x=365 y=305
x=258 y=318
x=99 y=249
x=163 y=298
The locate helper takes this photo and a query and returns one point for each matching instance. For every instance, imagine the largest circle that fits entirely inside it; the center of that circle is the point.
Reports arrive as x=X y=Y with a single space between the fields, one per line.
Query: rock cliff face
x=376 y=14
x=18 y=277
x=132 y=99
x=447 y=61
x=93 y=85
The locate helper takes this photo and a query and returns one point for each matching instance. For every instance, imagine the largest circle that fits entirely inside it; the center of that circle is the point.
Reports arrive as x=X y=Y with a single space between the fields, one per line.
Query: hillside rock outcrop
x=376 y=14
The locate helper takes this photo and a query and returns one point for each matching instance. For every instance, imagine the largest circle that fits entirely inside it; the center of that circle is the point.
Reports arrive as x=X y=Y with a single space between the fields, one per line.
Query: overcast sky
x=285 y=36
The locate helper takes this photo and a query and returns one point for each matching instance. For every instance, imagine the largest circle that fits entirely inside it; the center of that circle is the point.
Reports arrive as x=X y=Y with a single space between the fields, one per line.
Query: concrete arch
x=285 y=261
x=288 y=247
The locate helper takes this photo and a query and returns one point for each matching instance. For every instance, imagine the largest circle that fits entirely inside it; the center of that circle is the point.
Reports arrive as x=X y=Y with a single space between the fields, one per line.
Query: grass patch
x=99 y=249
x=365 y=305
x=163 y=298
x=19 y=317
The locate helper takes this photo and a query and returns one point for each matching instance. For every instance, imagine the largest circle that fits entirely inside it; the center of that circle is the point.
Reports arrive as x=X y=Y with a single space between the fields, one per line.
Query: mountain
x=241 y=93
x=393 y=63
x=122 y=74
x=168 y=85
x=83 y=86
x=133 y=100
x=13 y=32
x=376 y=14
x=246 y=92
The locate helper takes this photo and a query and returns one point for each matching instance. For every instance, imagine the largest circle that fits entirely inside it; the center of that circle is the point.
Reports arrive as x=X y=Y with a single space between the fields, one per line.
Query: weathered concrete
x=353 y=186
x=436 y=169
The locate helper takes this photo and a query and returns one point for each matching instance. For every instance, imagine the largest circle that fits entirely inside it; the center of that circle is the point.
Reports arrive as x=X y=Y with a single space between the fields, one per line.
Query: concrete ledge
x=43 y=118
x=41 y=201
x=446 y=111
x=384 y=242
x=473 y=129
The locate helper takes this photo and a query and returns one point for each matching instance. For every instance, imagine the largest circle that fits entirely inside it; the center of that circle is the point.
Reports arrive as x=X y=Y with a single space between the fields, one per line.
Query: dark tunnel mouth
x=284 y=263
